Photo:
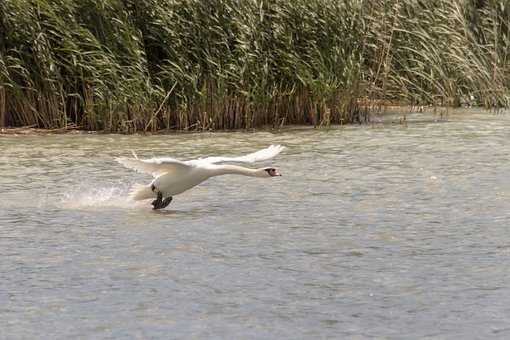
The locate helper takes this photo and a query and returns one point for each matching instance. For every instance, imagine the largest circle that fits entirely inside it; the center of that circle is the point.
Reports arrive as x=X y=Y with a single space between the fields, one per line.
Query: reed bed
x=133 y=65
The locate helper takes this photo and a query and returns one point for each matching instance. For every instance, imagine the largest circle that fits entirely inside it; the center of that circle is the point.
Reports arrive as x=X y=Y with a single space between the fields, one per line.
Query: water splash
x=99 y=198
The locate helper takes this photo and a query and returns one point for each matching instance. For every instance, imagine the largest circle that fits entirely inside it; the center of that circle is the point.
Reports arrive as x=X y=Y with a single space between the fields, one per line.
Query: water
x=384 y=231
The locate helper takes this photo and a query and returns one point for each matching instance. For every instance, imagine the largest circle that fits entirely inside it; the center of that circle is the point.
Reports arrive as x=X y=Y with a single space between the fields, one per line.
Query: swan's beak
x=272 y=172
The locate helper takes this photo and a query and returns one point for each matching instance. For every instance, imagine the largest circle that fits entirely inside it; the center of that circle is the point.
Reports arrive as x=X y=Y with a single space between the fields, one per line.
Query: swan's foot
x=166 y=202
x=157 y=202
x=160 y=203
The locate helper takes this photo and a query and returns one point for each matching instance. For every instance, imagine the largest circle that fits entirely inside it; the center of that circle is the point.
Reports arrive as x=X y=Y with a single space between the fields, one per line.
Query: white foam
x=99 y=198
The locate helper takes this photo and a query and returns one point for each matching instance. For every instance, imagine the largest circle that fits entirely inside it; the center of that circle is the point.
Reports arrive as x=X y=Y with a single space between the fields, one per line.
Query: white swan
x=172 y=176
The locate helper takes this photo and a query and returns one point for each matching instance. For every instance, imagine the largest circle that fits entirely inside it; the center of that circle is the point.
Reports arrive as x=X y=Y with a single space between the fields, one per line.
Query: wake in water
x=99 y=198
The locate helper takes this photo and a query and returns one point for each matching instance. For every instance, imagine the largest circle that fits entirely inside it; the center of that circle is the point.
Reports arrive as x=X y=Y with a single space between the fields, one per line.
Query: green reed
x=133 y=65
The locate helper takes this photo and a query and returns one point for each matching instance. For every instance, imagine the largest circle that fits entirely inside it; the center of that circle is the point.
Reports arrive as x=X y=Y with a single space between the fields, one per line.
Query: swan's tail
x=141 y=192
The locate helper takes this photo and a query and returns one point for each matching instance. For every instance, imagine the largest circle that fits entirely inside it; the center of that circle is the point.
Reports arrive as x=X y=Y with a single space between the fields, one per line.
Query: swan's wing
x=155 y=166
x=257 y=156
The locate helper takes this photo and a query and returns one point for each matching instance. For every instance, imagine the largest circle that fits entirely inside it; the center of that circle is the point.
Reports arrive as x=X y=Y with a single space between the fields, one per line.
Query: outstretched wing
x=155 y=166
x=257 y=156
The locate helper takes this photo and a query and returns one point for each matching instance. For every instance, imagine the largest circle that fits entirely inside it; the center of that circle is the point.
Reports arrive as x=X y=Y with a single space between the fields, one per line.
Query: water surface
x=377 y=231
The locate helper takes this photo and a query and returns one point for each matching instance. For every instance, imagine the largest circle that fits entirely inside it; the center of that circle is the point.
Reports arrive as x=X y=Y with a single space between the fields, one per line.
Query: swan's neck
x=227 y=169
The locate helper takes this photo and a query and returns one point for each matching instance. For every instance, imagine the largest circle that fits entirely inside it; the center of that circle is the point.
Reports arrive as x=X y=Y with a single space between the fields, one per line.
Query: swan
x=173 y=177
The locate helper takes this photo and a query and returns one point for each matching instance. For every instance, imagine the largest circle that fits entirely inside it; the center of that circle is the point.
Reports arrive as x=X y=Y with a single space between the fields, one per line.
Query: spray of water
x=97 y=198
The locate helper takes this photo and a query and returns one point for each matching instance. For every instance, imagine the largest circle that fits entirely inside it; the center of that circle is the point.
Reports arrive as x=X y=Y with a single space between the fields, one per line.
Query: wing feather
x=159 y=166
x=154 y=166
x=254 y=157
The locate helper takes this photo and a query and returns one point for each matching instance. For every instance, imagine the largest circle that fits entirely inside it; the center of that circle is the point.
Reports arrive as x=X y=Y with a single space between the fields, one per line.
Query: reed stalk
x=132 y=65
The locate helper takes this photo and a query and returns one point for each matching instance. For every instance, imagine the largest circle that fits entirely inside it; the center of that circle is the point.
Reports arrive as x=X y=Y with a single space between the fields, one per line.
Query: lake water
x=376 y=231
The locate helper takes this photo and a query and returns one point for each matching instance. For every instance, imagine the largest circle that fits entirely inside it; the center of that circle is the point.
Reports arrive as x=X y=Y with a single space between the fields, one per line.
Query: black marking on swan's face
x=272 y=172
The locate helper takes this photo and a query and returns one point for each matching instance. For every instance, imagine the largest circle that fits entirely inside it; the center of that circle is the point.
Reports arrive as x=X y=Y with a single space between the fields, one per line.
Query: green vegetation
x=131 y=65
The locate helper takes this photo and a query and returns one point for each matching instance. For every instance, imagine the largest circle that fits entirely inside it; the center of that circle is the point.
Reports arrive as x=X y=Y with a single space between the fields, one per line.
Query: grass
x=133 y=65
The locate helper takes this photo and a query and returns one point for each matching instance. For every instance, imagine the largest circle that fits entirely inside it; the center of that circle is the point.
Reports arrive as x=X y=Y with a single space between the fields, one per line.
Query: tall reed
x=132 y=65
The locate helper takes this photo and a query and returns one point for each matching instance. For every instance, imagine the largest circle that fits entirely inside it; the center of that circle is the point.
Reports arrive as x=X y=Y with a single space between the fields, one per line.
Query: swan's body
x=172 y=176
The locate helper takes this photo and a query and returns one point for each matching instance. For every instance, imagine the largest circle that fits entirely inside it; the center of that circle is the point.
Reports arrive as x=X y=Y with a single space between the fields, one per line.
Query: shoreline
x=377 y=116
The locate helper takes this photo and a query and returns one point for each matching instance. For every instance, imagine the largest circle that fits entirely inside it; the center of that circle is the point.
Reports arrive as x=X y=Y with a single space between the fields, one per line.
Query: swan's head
x=271 y=172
